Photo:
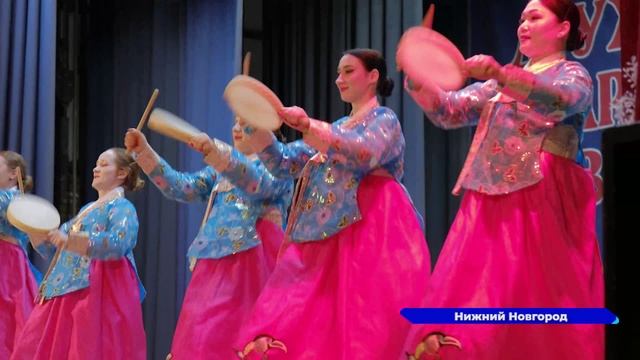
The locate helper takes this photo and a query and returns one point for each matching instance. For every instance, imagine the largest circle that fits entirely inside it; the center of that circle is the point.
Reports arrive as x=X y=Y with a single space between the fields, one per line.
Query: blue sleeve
x=182 y=186
x=254 y=178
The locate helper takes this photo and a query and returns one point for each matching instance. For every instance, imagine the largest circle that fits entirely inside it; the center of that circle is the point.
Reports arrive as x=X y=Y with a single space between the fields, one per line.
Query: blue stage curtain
x=27 y=86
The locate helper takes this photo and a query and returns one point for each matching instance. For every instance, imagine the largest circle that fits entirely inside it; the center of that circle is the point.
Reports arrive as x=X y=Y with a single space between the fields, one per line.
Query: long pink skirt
x=18 y=290
x=220 y=297
x=340 y=298
x=101 y=322
x=535 y=247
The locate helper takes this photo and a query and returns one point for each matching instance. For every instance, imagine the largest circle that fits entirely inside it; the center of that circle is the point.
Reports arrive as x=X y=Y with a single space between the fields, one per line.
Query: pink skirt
x=103 y=321
x=535 y=247
x=18 y=290
x=340 y=298
x=220 y=296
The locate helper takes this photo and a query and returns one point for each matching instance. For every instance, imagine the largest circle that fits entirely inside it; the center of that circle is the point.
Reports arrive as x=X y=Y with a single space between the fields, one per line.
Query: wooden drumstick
x=20 y=183
x=246 y=63
x=207 y=211
x=428 y=18
x=147 y=110
x=40 y=297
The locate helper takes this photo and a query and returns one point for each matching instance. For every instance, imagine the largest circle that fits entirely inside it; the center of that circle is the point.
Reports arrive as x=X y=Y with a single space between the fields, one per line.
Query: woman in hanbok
x=236 y=246
x=355 y=251
x=524 y=236
x=88 y=305
x=18 y=283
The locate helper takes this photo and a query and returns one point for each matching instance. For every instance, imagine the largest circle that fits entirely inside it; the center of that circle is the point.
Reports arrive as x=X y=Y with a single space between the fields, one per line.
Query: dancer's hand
x=202 y=143
x=135 y=141
x=216 y=152
x=482 y=67
x=58 y=238
x=426 y=94
x=295 y=117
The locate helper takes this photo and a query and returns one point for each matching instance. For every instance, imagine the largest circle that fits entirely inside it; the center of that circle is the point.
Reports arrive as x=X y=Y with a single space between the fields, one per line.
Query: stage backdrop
x=493 y=31
x=27 y=86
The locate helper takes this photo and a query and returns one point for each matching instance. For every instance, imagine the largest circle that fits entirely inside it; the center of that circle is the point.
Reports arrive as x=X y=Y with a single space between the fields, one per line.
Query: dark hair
x=566 y=10
x=125 y=161
x=372 y=59
x=15 y=160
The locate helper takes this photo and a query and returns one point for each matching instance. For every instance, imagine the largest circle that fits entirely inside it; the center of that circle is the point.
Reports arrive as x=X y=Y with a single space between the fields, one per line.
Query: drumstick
x=428 y=18
x=208 y=209
x=53 y=263
x=246 y=63
x=147 y=110
x=20 y=183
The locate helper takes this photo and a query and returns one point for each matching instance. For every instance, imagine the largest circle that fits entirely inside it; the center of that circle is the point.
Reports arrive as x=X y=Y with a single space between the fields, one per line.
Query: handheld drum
x=170 y=125
x=33 y=215
x=253 y=102
x=427 y=56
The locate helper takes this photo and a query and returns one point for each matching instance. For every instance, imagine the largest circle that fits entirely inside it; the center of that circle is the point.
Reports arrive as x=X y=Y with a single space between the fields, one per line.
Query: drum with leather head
x=425 y=55
x=253 y=102
x=169 y=124
x=33 y=215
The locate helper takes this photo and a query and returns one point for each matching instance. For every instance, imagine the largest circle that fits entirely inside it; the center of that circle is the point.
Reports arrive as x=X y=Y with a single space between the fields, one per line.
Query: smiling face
x=106 y=175
x=354 y=81
x=540 y=32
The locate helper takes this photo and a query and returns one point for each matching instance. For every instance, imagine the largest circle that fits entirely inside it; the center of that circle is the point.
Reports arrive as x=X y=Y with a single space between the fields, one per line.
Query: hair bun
x=386 y=87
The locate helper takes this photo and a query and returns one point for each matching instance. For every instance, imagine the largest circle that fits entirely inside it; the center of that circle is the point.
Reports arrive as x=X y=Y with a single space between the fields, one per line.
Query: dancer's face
x=540 y=32
x=106 y=175
x=354 y=81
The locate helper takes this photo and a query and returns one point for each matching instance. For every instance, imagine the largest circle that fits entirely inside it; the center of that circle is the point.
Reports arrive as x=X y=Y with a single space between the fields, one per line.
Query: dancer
x=89 y=301
x=235 y=249
x=525 y=232
x=18 y=285
x=355 y=253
